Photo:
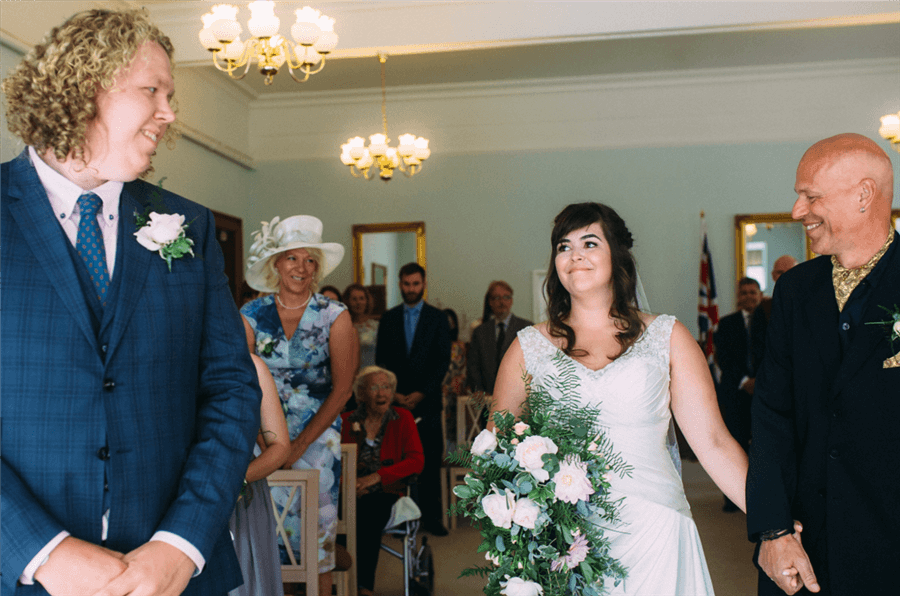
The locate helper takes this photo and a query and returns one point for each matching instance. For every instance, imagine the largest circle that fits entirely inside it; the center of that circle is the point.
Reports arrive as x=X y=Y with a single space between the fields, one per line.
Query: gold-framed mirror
x=760 y=238
x=379 y=250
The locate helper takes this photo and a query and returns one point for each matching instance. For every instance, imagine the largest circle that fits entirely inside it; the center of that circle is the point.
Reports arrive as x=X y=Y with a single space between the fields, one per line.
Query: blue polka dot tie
x=89 y=243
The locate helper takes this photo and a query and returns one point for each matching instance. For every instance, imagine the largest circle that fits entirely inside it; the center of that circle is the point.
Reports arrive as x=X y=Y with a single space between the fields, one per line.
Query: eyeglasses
x=379 y=387
x=504 y=297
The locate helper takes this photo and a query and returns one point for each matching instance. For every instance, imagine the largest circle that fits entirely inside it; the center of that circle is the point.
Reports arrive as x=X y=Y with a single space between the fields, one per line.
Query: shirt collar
x=504 y=321
x=63 y=193
x=415 y=309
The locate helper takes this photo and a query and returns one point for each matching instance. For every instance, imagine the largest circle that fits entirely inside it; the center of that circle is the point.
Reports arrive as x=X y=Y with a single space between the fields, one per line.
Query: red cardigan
x=400 y=444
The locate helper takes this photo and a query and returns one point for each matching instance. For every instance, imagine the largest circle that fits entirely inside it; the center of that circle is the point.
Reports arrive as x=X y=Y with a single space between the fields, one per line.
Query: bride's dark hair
x=624 y=275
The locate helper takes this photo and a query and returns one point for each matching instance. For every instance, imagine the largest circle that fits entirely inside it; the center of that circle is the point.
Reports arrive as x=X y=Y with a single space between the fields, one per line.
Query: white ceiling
x=447 y=42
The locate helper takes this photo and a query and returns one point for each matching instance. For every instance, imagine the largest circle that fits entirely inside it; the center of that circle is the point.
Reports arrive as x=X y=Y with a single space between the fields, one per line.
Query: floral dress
x=301 y=367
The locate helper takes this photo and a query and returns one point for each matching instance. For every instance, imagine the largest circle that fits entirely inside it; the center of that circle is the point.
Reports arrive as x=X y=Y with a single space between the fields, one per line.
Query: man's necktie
x=501 y=335
x=89 y=243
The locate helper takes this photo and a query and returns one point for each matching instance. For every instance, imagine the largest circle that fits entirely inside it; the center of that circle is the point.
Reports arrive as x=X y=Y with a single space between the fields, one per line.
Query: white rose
x=162 y=229
x=484 y=442
x=500 y=507
x=520 y=428
x=529 y=453
x=492 y=559
x=516 y=586
x=572 y=484
x=897 y=328
x=526 y=513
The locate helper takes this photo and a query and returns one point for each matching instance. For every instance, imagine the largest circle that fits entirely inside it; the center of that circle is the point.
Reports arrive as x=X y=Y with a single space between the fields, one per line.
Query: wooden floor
x=727 y=550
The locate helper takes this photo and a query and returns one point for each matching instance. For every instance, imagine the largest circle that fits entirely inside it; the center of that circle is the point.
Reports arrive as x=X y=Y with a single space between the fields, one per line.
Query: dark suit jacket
x=164 y=413
x=482 y=362
x=758 y=324
x=425 y=366
x=731 y=352
x=826 y=445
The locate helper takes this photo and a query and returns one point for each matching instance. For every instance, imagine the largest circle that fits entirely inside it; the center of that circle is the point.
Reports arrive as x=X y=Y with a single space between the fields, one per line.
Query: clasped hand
x=786 y=563
x=76 y=568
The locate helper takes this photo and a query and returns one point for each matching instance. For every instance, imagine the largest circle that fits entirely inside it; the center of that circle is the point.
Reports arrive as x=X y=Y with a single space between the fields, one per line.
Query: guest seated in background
x=454 y=383
x=331 y=292
x=252 y=523
x=492 y=338
x=389 y=451
x=360 y=303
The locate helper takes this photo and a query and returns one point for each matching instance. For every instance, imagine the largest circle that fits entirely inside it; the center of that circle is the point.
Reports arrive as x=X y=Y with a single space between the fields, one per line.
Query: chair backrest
x=303 y=485
x=347 y=515
x=468 y=412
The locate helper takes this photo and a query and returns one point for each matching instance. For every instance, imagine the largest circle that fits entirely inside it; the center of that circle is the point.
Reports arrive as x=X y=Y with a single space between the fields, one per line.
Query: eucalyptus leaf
x=499 y=544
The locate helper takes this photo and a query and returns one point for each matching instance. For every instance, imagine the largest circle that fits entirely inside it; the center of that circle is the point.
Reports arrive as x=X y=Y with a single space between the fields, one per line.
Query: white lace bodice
x=632 y=393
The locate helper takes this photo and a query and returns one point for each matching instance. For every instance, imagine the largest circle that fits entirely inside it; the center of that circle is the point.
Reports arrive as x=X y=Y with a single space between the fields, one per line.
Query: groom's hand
x=154 y=569
x=786 y=563
x=76 y=568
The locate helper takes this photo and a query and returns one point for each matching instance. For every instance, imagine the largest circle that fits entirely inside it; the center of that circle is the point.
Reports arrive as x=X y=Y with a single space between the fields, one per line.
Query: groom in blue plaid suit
x=129 y=401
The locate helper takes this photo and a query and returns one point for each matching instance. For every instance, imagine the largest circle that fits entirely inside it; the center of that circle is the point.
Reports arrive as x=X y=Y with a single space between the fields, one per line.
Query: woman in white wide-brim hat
x=309 y=344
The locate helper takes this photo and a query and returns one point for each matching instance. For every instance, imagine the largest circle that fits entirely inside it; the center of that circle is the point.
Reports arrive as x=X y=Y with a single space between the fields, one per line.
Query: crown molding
x=560 y=85
x=675 y=109
x=214 y=145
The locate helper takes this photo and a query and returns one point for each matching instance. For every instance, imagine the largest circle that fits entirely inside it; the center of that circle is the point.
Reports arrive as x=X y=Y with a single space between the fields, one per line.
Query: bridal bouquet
x=539 y=491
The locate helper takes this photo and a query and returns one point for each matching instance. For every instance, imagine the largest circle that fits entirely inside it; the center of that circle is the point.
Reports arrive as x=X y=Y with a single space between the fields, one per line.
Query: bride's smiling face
x=583 y=260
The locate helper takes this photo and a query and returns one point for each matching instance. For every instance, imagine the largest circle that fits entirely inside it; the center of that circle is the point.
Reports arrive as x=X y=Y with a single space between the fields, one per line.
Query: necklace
x=283 y=305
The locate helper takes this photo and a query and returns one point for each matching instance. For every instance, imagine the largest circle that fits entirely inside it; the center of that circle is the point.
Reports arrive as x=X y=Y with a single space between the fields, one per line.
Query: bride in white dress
x=639 y=369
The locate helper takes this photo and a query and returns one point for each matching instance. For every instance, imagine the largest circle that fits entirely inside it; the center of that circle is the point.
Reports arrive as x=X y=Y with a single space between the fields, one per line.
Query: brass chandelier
x=890 y=129
x=313 y=33
x=407 y=157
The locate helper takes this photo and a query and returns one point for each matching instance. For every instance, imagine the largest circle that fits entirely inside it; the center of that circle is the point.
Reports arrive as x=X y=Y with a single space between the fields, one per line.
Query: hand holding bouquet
x=539 y=490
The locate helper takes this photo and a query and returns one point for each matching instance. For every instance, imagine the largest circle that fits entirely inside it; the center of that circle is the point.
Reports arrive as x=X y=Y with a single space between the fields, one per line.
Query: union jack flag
x=707 y=311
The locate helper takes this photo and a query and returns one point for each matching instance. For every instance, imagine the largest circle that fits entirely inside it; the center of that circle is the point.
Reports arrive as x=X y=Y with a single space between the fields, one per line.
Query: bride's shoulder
x=543 y=329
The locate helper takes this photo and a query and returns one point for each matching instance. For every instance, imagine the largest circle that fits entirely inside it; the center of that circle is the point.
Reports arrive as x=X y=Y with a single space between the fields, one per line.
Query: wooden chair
x=346 y=580
x=304 y=485
x=468 y=412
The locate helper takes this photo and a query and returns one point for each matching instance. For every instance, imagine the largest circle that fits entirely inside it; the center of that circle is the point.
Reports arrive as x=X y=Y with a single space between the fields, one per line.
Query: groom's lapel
x=46 y=239
x=869 y=337
x=132 y=262
x=821 y=314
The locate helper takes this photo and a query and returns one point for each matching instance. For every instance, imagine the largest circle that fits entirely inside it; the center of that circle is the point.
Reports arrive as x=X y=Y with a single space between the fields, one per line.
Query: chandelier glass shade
x=407 y=157
x=890 y=129
x=313 y=34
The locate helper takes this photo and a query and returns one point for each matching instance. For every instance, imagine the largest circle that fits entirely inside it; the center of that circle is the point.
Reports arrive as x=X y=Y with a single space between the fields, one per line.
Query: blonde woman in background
x=309 y=344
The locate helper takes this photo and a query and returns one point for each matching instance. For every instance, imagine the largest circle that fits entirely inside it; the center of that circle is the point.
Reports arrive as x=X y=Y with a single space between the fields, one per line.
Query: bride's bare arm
x=509 y=388
x=697 y=412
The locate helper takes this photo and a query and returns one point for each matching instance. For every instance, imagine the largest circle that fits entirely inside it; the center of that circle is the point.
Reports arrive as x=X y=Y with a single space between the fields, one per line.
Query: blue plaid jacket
x=171 y=398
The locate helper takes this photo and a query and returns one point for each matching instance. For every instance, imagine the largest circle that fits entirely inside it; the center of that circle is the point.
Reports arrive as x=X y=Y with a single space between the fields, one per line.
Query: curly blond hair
x=50 y=96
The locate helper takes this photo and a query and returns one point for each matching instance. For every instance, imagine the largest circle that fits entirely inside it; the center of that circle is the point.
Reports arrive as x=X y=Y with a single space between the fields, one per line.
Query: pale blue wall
x=10 y=146
x=489 y=216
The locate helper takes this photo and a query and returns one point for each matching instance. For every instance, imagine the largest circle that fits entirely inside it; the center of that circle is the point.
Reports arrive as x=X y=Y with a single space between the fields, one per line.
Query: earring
x=862 y=209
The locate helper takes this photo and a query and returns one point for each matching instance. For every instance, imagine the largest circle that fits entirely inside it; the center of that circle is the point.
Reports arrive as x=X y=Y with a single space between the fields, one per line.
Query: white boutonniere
x=164 y=233
x=892 y=324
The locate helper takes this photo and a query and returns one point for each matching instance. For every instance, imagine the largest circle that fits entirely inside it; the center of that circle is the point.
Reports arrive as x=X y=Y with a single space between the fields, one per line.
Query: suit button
x=103 y=348
x=834 y=453
x=106 y=487
x=103 y=453
x=845 y=326
x=109 y=385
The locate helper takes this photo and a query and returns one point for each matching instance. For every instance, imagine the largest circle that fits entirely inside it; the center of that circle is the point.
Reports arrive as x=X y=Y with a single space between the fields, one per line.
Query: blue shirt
x=410 y=321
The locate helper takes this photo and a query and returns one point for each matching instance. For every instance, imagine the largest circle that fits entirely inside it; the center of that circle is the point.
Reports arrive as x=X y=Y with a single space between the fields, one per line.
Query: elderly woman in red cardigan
x=389 y=450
